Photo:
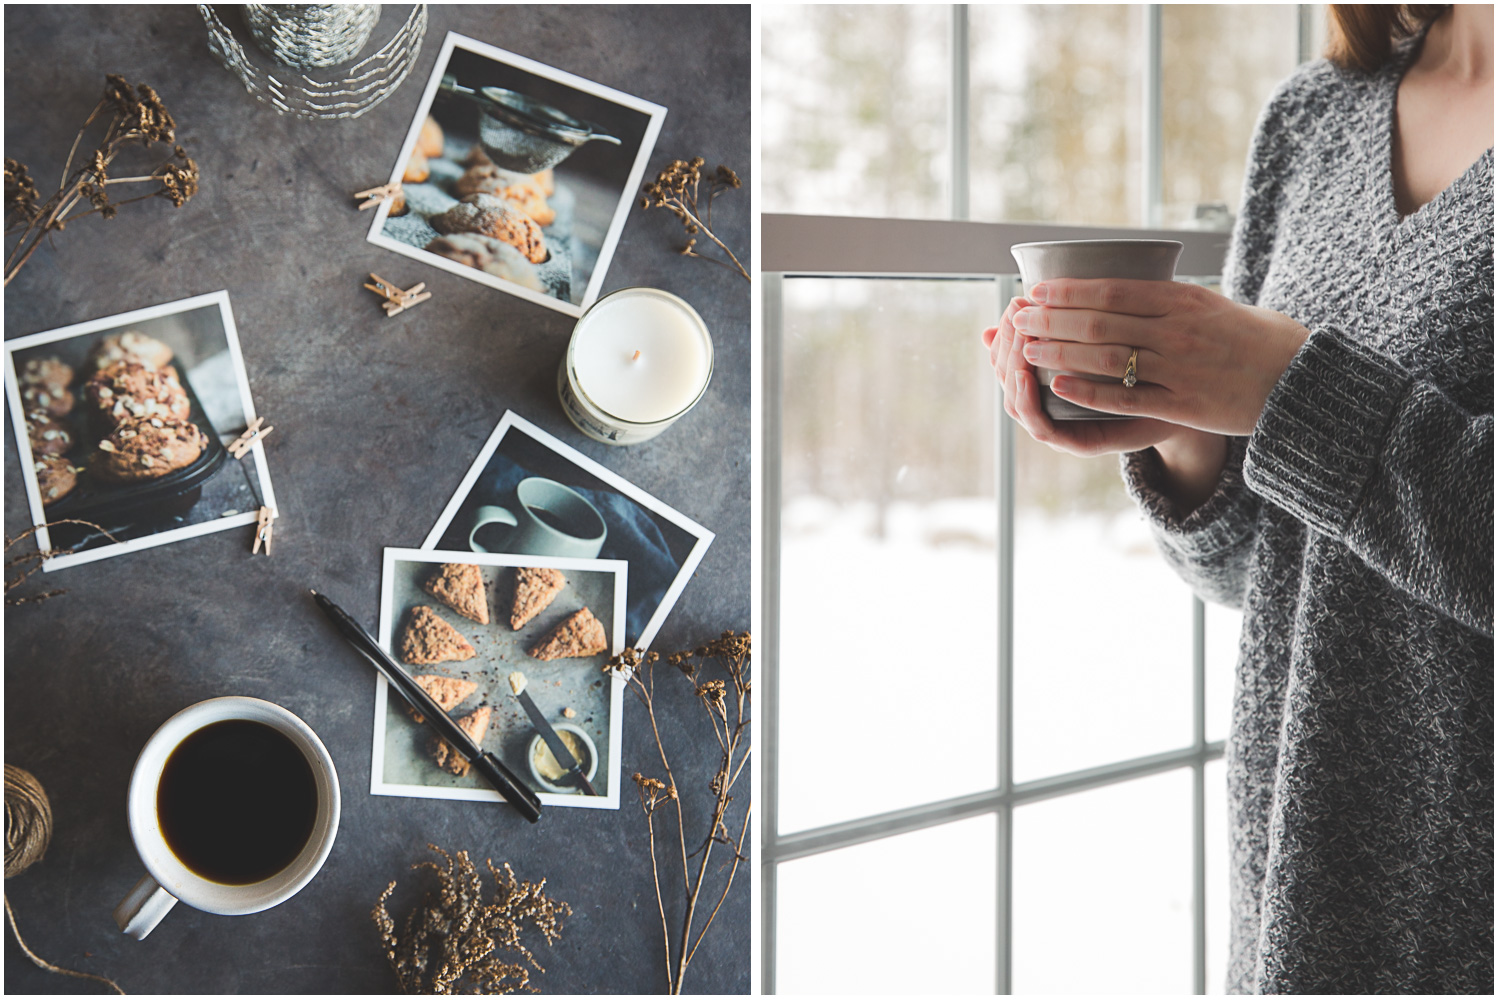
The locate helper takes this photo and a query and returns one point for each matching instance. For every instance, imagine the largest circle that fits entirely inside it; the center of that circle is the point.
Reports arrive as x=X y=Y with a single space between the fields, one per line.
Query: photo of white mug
x=550 y=520
x=169 y=878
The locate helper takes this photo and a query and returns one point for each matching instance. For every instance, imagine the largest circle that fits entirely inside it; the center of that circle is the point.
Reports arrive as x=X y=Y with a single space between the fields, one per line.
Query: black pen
x=497 y=774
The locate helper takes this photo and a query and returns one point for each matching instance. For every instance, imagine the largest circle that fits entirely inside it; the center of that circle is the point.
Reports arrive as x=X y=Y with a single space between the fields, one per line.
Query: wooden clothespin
x=412 y=296
x=253 y=433
x=264 y=528
x=379 y=195
x=397 y=301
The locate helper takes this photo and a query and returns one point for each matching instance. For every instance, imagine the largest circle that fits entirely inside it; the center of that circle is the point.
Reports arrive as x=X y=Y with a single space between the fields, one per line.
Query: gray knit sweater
x=1355 y=529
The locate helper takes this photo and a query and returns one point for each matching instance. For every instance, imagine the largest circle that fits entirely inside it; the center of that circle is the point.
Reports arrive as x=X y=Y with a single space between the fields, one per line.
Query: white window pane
x=1055 y=113
x=1215 y=804
x=908 y=914
x=1103 y=890
x=1103 y=627
x=854 y=106
x=1219 y=63
x=1221 y=646
x=888 y=547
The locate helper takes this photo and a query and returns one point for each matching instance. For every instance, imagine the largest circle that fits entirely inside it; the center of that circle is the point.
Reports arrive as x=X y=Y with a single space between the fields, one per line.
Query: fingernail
x=1038 y=294
x=1022 y=319
x=1060 y=384
x=1032 y=353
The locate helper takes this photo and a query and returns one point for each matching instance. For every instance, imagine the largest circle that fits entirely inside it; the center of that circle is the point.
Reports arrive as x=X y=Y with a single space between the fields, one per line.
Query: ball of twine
x=28 y=831
x=28 y=820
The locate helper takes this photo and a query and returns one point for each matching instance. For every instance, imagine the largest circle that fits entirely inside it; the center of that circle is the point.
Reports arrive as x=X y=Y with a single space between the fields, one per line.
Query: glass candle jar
x=638 y=359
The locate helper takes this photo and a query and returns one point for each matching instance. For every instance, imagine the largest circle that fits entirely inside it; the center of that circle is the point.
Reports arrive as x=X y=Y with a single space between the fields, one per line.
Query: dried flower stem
x=676 y=189
x=732 y=652
x=30 y=562
x=136 y=116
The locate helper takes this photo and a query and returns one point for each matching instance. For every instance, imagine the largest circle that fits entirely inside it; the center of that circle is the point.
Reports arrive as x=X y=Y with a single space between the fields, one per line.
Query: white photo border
x=514 y=421
x=656 y=112
x=620 y=569
x=23 y=444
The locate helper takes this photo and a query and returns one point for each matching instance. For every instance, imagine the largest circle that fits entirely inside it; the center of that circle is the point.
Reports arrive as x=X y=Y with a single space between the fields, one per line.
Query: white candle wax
x=641 y=355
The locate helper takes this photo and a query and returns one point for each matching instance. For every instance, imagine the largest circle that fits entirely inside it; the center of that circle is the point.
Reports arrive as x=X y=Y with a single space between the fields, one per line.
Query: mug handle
x=488 y=515
x=143 y=907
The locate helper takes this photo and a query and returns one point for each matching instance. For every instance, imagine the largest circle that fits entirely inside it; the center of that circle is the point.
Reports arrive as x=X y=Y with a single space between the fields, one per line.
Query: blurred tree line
x=888 y=390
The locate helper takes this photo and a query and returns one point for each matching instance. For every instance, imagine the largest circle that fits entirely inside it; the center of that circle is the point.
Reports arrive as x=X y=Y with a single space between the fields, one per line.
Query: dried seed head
x=21 y=195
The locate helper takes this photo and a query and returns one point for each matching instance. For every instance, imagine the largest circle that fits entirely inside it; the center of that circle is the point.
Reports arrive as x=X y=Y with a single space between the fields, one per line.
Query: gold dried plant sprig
x=676 y=189
x=135 y=116
x=455 y=942
x=726 y=700
x=21 y=568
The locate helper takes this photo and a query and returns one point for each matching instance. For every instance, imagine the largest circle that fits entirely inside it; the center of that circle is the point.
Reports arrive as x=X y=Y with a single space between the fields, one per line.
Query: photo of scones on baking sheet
x=555 y=620
x=518 y=175
x=124 y=424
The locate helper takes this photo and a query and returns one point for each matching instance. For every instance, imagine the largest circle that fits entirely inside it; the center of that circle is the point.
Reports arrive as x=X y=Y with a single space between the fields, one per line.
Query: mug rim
x=1114 y=242
x=186 y=885
x=603 y=527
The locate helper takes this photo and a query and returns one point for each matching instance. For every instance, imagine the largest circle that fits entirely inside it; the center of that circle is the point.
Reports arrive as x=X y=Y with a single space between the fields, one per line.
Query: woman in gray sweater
x=1316 y=448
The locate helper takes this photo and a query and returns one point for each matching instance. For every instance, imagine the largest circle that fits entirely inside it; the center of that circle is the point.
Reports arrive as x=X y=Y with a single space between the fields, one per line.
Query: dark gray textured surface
x=376 y=420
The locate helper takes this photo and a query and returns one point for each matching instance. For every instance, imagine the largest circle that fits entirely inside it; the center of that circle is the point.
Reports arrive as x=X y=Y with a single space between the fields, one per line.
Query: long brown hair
x=1362 y=35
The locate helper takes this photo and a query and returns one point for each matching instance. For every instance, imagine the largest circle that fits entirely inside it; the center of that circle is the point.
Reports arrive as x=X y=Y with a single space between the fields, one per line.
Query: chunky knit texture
x=1355 y=529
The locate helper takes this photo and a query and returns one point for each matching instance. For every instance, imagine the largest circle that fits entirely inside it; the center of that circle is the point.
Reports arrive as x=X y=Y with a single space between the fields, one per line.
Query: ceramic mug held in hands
x=1153 y=260
x=233 y=807
x=550 y=520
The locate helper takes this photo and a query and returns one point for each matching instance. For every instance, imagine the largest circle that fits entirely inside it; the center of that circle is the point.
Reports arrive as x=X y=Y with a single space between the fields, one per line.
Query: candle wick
x=636 y=357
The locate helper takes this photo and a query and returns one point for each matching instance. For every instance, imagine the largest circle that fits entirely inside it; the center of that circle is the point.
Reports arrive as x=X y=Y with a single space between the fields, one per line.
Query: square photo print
x=475 y=631
x=123 y=426
x=518 y=175
x=529 y=494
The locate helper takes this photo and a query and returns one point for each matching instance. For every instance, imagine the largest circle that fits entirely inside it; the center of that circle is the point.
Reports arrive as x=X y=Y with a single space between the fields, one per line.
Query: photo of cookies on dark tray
x=518 y=176
x=124 y=424
x=464 y=626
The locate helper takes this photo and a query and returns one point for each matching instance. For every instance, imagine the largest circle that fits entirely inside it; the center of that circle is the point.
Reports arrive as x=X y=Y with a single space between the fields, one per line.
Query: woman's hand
x=1193 y=460
x=1204 y=361
x=1022 y=399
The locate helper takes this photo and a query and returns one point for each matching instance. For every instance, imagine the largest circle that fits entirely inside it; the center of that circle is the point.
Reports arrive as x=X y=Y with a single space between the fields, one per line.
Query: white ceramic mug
x=1149 y=260
x=578 y=530
x=168 y=879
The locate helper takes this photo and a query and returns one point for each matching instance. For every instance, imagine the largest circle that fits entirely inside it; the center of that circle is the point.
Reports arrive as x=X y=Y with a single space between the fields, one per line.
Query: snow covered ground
x=888 y=699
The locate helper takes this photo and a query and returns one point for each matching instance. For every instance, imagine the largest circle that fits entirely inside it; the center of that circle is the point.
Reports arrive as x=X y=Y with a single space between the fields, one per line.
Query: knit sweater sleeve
x=1354 y=446
x=1208 y=547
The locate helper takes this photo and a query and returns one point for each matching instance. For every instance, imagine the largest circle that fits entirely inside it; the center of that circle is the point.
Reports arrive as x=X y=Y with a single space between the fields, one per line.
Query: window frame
x=844 y=248
x=803 y=246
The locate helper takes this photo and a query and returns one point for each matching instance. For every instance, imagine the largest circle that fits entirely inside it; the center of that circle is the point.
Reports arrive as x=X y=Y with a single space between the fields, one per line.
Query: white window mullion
x=1009 y=287
x=767 y=680
x=1199 y=799
x=957 y=103
x=1306 y=31
x=1153 y=144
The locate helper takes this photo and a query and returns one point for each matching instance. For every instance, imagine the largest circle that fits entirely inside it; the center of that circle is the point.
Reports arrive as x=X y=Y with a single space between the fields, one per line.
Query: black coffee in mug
x=554 y=521
x=237 y=801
